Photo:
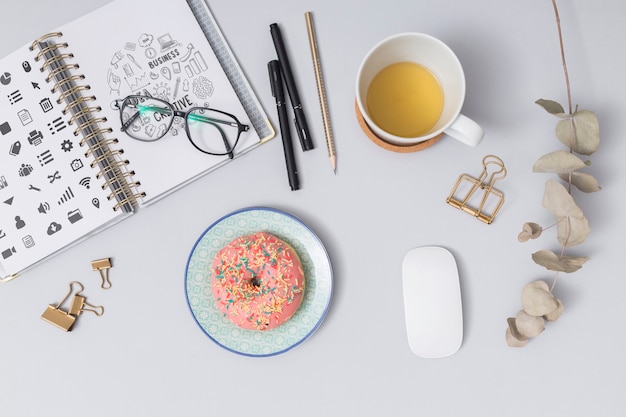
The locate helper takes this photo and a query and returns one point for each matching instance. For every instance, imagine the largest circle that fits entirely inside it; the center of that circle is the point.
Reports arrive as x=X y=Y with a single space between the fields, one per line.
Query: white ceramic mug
x=437 y=57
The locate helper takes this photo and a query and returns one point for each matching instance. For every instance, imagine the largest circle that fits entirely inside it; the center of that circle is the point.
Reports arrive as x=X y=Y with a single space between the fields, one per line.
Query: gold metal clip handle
x=103 y=266
x=79 y=305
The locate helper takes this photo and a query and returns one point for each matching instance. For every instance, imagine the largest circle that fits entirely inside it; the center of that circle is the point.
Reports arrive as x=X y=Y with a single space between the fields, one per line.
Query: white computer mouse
x=432 y=302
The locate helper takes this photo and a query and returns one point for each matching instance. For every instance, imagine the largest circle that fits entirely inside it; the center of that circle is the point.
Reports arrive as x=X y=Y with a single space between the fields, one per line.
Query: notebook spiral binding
x=113 y=169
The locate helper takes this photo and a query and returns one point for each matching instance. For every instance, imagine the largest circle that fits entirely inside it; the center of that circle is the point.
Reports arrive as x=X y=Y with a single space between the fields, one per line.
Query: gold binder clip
x=60 y=318
x=103 y=266
x=79 y=306
x=492 y=199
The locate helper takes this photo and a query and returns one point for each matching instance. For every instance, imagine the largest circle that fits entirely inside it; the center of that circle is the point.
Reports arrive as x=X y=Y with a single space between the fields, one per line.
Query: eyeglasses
x=210 y=131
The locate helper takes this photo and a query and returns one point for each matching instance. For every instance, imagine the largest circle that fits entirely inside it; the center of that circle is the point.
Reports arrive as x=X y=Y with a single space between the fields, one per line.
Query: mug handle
x=466 y=131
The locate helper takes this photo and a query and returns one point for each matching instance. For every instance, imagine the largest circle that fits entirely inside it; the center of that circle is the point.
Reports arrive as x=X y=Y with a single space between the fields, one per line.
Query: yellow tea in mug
x=405 y=99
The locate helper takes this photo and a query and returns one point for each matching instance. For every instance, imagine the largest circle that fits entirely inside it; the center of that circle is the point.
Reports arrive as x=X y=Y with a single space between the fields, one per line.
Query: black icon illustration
x=128 y=70
x=8 y=252
x=5 y=128
x=45 y=158
x=133 y=60
x=15 y=148
x=46 y=105
x=67 y=195
x=3 y=182
x=166 y=42
x=57 y=125
x=76 y=164
x=53 y=228
x=32 y=187
x=54 y=177
x=165 y=71
x=202 y=87
x=162 y=91
x=66 y=145
x=137 y=82
x=19 y=223
x=35 y=85
x=145 y=40
x=43 y=208
x=25 y=170
x=114 y=82
x=28 y=241
x=187 y=54
x=25 y=117
x=26 y=66
x=9 y=201
x=5 y=79
x=35 y=137
x=74 y=216
x=176 y=87
x=96 y=203
x=151 y=53
x=117 y=57
x=15 y=97
x=85 y=182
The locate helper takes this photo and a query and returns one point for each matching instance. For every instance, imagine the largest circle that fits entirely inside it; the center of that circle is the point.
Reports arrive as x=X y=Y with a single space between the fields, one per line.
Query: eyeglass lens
x=149 y=119
x=212 y=131
x=145 y=118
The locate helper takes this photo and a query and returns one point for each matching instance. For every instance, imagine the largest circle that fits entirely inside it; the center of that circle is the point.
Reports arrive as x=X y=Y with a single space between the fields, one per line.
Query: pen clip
x=272 y=72
x=276 y=80
x=302 y=129
x=301 y=132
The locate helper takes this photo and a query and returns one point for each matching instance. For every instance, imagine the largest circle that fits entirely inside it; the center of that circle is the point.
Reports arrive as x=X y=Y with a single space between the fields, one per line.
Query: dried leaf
x=537 y=300
x=554 y=262
x=540 y=284
x=553 y=316
x=584 y=182
x=529 y=231
x=572 y=231
x=512 y=341
x=572 y=226
x=559 y=161
x=514 y=331
x=585 y=138
x=552 y=107
x=529 y=326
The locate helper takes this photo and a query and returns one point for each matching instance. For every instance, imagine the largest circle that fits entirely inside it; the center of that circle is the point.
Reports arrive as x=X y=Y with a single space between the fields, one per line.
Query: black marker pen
x=276 y=82
x=300 y=120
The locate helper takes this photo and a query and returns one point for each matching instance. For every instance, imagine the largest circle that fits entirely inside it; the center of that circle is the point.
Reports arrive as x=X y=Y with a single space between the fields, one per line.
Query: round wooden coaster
x=390 y=146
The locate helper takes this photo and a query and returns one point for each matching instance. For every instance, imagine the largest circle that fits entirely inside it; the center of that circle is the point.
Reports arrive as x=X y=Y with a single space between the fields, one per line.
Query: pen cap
x=277 y=38
x=276 y=81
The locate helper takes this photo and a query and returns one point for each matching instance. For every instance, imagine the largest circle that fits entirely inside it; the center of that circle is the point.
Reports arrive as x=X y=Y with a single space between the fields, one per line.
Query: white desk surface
x=147 y=357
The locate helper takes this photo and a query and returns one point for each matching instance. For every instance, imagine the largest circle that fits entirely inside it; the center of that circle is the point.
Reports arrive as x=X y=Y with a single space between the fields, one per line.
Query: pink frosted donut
x=258 y=281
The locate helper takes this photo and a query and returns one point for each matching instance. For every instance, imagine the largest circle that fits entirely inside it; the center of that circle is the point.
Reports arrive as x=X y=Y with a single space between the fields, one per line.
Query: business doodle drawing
x=160 y=66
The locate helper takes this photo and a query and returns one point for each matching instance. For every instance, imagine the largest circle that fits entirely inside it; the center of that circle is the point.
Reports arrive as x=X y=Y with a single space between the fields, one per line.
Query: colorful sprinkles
x=258 y=281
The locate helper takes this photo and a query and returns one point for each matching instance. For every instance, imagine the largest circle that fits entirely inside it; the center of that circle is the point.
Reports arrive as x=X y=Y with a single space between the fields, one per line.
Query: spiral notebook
x=67 y=170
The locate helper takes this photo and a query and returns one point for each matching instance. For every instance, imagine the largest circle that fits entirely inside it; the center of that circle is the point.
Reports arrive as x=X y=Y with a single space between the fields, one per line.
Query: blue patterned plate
x=317 y=269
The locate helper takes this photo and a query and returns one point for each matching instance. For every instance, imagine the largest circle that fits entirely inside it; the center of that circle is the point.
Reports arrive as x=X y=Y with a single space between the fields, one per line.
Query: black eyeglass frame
x=120 y=105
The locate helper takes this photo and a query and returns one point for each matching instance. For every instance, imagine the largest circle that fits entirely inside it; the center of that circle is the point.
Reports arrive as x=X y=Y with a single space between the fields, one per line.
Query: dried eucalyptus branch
x=579 y=131
x=567 y=84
